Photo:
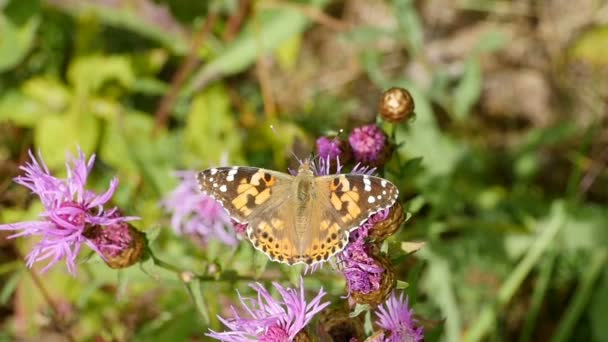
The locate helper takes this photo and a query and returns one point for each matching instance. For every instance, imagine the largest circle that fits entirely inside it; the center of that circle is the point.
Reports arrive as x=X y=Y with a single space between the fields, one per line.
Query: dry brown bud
x=396 y=105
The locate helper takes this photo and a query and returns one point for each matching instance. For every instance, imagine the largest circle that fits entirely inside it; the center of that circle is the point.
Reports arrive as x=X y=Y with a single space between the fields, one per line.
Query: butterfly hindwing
x=242 y=191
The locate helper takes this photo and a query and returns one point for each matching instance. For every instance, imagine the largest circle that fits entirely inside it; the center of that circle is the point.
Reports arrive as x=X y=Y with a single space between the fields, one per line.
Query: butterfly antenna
x=290 y=150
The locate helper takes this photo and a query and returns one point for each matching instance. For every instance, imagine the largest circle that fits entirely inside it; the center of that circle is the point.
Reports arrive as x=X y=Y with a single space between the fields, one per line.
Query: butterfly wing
x=353 y=198
x=243 y=191
x=343 y=203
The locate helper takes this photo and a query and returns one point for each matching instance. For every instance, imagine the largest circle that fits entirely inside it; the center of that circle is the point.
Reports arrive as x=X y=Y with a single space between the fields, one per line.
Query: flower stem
x=187 y=276
x=52 y=305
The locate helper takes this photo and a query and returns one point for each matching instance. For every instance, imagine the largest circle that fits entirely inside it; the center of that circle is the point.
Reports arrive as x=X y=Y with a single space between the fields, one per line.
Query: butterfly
x=297 y=219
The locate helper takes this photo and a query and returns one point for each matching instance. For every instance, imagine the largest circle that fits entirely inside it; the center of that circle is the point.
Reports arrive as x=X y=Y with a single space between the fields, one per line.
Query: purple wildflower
x=197 y=214
x=270 y=320
x=69 y=210
x=362 y=272
x=368 y=144
x=330 y=148
x=395 y=318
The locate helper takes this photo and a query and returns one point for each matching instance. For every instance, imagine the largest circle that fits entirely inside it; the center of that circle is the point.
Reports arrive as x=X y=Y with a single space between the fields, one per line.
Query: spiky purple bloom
x=270 y=320
x=69 y=209
x=197 y=214
x=395 y=317
x=329 y=148
x=368 y=144
x=362 y=272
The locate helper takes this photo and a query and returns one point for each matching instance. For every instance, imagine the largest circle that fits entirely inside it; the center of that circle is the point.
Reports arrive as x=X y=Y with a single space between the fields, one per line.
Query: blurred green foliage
x=516 y=243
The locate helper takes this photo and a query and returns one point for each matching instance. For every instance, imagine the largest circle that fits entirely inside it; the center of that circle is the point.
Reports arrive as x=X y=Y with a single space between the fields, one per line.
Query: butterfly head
x=306 y=167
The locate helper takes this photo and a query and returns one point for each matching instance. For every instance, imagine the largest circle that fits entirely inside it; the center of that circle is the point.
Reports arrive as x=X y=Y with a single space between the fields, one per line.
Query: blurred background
x=503 y=167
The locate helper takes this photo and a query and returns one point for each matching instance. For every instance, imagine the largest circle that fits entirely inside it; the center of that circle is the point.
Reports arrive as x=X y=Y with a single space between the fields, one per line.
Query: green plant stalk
x=544 y=279
x=195 y=290
x=487 y=318
x=581 y=297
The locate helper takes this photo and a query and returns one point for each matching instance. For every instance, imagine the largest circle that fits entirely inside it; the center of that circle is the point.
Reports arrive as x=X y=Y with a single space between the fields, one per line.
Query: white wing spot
x=223 y=188
x=383 y=183
x=379 y=197
x=384 y=192
x=231 y=174
x=213 y=171
x=211 y=179
x=215 y=185
x=367 y=183
x=371 y=199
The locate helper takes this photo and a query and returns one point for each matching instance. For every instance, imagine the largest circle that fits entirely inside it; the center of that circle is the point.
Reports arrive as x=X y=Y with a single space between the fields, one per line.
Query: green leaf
x=422 y=137
x=17 y=32
x=268 y=29
x=196 y=291
x=211 y=130
x=359 y=308
x=21 y=110
x=402 y=285
x=9 y=286
x=410 y=25
x=88 y=74
x=49 y=92
x=130 y=128
x=56 y=135
x=468 y=90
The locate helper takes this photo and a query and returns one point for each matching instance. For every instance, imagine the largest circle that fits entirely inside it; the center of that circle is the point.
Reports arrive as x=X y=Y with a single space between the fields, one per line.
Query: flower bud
x=303 y=336
x=396 y=105
x=387 y=284
x=120 y=244
x=385 y=228
x=339 y=326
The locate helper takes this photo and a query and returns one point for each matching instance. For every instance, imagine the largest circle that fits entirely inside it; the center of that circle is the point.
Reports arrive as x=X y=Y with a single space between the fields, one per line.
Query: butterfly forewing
x=243 y=191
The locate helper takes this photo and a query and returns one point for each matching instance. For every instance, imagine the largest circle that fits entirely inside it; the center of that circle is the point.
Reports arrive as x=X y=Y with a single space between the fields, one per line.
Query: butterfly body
x=297 y=219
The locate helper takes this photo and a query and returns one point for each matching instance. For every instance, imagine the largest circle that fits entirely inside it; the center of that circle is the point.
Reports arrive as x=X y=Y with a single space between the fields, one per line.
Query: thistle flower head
x=368 y=144
x=362 y=272
x=69 y=209
x=268 y=319
x=197 y=214
x=332 y=148
x=395 y=318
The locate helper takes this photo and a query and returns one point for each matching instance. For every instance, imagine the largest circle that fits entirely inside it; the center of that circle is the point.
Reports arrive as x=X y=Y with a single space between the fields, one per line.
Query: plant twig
x=311 y=12
x=57 y=322
x=594 y=171
x=236 y=20
x=164 y=108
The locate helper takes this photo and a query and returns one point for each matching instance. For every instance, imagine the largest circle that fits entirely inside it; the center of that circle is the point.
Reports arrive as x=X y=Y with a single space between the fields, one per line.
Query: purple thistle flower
x=268 y=319
x=368 y=144
x=395 y=318
x=197 y=214
x=331 y=148
x=362 y=272
x=69 y=210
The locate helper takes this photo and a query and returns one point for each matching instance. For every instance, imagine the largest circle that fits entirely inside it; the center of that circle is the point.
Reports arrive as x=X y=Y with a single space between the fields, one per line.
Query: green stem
x=487 y=317
x=187 y=276
x=581 y=297
x=544 y=279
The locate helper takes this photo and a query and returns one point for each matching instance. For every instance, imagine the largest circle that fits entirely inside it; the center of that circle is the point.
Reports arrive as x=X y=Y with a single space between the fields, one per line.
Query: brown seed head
x=396 y=105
